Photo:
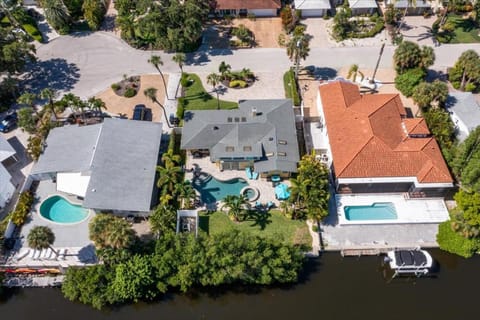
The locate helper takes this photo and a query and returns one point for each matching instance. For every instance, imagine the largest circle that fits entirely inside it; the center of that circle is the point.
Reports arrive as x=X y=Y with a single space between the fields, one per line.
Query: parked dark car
x=9 y=122
x=173 y=120
x=139 y=112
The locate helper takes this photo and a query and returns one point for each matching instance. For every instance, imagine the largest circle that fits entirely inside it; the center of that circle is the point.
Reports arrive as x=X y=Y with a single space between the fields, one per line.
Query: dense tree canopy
x=15 y=51
x=465 y=74
x=409 y=55
x=309 y=191
x=172 y=25
x=466 y=163
x=428 y=94
x=182 y=262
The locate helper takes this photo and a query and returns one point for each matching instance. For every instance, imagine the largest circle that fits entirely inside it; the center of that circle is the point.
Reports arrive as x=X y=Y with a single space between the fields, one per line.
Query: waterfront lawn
x=196 y=98
x=272 y=224
x=465 y=30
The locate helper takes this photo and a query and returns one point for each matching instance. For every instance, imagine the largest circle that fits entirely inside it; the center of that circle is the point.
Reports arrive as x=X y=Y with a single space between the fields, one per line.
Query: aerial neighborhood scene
x=191 y=157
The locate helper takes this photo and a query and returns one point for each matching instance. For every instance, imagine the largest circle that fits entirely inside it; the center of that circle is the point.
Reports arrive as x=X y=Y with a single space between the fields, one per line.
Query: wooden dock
x=363 y=252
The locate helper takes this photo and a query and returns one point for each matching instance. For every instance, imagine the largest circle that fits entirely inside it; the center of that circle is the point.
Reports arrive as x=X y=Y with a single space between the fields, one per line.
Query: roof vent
x=254 y=112
x=215 y=128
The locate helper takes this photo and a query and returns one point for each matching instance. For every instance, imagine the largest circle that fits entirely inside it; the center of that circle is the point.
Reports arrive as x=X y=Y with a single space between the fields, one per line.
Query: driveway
x=118 y=105
x=266 y=30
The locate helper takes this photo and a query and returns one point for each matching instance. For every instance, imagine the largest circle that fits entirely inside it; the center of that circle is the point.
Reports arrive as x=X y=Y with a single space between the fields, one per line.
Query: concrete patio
x=204 y=164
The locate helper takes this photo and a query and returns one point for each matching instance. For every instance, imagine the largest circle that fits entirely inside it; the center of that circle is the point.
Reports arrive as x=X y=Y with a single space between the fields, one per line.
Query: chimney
x=254 y=112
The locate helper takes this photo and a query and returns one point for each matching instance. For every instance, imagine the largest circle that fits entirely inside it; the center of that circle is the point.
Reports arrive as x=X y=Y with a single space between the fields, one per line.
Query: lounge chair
x=22 y=254
x=270 y=205
x=61 y=253
x=248 y=171
x=37 y=254
x=255 y=175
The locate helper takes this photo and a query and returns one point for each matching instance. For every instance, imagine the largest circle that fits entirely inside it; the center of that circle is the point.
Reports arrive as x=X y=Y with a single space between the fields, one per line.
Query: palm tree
x=186 y=194
x=41 y=237
x=168 y=178
x=213 y=79
x=56 y=13
x=298 y=47
x=157 y=62
x=236 y=205
x=96 y=105
x=120 y=234
x=180 y=59
x=163 y=219
x=127 y=24
x=151 y=93
x=224 y=69
x=298 y=194
x=28 y=99
x=353 y=72
x=50 y=95
x=170 y=159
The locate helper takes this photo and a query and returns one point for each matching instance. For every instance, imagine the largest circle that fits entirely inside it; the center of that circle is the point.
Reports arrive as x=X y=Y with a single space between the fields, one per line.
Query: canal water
x=334 y=288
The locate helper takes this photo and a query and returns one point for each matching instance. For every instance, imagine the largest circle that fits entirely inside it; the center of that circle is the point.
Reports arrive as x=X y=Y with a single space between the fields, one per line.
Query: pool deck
x=72 y=237
x=267 y=191
x=374 y=237
x=408 y=210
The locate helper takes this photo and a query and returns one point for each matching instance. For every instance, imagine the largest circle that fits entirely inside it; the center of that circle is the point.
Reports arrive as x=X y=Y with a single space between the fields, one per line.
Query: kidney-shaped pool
x=60 y=210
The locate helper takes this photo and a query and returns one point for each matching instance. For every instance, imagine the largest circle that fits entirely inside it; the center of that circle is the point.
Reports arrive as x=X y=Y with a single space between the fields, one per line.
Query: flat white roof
x=73 y=183
x=416 y=210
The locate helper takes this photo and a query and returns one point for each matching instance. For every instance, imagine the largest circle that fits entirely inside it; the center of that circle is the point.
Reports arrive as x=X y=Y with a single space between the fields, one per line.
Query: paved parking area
x=419 y=29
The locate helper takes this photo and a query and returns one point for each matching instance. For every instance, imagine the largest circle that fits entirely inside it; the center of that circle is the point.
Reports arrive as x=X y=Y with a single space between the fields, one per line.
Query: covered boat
x=417 y=261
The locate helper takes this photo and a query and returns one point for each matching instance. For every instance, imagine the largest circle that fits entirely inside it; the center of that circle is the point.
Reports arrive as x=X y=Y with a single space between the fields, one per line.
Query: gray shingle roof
x=465 y=107
x=242 y=133
x=68 y=149
x=6 y=150
x=121 y=154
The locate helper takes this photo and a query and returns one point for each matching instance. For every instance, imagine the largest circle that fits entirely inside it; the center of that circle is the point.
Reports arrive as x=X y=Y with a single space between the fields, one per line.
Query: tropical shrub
x=19 y=215
x=93 y=12
x=409 y=55
x=130 y=92
x=453 y=242
x=115 y=86
x=465 y=74
x=237 y=83
x=406 y=82
x=441 y=126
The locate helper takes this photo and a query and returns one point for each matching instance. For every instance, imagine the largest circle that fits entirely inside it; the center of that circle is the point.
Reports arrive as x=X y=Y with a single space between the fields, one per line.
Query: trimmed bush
x=407 y=81
x=115 y=86
x=33 y=32
x=237 y=83
x=180 y=108
x=291 y=88
x=130 y=92
x=452 y=242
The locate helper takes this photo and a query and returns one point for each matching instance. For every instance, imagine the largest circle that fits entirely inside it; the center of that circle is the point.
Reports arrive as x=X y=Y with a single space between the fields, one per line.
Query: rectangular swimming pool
x=375 y=211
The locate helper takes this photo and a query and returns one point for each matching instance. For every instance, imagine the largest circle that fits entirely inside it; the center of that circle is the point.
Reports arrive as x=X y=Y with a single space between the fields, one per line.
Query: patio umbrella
x=281 y=192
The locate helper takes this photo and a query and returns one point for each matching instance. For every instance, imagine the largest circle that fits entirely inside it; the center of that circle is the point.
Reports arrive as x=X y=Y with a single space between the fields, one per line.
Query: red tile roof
x=370 y=137
x=248 y=4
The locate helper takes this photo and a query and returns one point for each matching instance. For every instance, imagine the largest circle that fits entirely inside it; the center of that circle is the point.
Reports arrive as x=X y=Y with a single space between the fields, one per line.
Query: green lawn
x=272 y=224
x=290 y=86
x=465 y=31
x=196 y=98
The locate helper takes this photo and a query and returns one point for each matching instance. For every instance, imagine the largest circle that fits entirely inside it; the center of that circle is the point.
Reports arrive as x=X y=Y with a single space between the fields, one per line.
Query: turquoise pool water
x=213 y=190
x=60 y=210
x=376 y=211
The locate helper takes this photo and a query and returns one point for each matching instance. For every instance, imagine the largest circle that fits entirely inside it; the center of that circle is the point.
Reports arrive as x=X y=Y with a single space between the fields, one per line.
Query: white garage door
x=312 y=13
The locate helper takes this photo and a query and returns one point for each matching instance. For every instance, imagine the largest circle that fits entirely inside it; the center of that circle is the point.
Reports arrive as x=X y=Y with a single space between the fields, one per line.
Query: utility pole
x=372 y=81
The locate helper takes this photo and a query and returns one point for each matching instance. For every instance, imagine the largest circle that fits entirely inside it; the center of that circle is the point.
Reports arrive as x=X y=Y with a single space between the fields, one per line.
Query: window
x=247 y=148
x=229 y=119
x=229 y=149
x=244 y=119
x=282 y=141
x=237 y=119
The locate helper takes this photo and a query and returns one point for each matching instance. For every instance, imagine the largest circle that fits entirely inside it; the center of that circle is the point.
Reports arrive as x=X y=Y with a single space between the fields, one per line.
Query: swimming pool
x=60 y=210
x=213 y=190
x=375 y=211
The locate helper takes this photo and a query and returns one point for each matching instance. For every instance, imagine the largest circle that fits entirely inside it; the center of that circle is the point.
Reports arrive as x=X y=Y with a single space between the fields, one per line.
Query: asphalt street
x=88 y=63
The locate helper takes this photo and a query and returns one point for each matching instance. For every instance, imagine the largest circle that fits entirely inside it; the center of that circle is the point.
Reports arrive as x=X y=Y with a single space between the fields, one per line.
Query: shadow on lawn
x=259 y=218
